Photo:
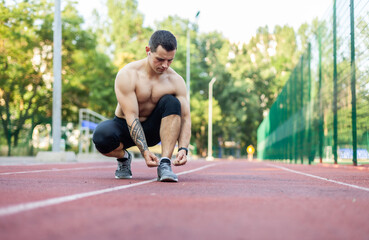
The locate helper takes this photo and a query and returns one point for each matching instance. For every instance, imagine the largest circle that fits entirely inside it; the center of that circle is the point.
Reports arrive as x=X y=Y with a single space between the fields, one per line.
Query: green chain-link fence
x=322 y=113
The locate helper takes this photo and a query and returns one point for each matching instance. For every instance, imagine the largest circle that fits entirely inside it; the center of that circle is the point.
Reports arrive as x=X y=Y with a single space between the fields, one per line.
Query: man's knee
x=104 y=138
x=170 y=105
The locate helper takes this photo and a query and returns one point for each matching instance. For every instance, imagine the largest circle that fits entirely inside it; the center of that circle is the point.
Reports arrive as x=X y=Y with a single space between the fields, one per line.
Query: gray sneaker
x=124 y=168
x=165 y=173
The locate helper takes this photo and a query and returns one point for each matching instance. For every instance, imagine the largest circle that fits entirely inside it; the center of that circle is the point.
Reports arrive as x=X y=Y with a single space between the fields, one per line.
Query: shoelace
x=165 y=167
x=123 y=165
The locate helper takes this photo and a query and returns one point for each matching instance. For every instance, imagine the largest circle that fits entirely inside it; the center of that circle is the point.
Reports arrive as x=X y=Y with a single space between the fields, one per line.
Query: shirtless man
x=152 y=107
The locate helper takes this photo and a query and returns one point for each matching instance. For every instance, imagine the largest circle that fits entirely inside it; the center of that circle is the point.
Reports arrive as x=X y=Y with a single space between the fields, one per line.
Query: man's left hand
x=181 y=158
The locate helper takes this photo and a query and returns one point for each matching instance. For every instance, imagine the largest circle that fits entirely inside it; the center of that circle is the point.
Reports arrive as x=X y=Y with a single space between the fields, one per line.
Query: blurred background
x=285 y=73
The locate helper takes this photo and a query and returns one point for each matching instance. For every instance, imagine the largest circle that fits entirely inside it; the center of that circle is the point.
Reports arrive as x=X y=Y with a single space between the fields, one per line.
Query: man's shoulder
x=131 y=69
x=133 y=66
x=177 y=81
x=173 y=75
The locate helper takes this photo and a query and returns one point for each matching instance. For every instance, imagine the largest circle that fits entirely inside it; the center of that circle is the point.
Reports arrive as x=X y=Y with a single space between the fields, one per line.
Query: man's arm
x=127 y=99
x=138 y=135
x=185 y=132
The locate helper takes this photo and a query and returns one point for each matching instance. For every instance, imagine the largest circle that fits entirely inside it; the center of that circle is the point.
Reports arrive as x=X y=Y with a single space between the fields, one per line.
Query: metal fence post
x=309 y=144
x=353 y=84
x=295 y=139
x=335 y=82
x=321 y=116
x=302 y=108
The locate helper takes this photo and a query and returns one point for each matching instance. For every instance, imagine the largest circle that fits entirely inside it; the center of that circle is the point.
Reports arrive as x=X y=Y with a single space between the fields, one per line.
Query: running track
x=212 y=200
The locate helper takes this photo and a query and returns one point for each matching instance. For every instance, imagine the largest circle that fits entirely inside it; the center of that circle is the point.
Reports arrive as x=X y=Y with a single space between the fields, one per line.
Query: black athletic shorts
x=110 y=133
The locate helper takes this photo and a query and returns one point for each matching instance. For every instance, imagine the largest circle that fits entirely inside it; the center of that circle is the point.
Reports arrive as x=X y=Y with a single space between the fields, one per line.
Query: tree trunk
x=9 y=140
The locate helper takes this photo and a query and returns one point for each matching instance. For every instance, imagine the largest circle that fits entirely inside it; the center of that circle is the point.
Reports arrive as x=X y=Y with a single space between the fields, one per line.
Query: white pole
x=188 y=64
x=56 y=128
x=188 y=56
x=210 y=121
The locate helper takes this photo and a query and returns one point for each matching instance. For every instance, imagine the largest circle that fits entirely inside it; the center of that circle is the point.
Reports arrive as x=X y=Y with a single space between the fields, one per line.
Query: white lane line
x=58 y=200
x=320 y=178
x=54 y=170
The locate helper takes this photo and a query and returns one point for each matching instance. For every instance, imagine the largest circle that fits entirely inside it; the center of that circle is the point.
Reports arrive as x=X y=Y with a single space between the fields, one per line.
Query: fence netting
x=322 y=113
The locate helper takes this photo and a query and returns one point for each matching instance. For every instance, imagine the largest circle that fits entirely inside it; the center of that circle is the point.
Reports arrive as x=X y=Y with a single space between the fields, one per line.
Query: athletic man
x=152 y=107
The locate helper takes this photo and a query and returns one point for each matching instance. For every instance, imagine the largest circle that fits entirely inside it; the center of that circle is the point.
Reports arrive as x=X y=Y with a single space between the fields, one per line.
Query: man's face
x=161 y=59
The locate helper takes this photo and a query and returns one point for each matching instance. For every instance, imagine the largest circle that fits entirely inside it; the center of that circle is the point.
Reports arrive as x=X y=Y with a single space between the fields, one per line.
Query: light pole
x=210 y=121
x=188 y=62
x=56 y=129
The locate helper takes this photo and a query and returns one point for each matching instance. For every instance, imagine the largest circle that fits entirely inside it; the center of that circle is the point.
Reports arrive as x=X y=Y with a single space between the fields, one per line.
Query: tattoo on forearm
x=138 y=135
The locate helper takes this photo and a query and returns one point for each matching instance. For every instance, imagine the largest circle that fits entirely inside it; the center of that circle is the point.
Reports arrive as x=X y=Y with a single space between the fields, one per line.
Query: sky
x=237 y=20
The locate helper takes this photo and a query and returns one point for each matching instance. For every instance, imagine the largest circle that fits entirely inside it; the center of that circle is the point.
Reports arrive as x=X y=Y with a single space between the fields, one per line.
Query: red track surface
x=227 y=200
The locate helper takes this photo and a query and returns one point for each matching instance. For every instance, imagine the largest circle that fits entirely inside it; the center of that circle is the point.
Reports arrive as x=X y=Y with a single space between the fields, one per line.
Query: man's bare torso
x=149 y=89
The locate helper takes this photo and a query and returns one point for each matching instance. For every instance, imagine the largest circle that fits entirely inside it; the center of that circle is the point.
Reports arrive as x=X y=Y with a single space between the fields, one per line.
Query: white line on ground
x=321 y=178
x=55 y=170
x=53 y=201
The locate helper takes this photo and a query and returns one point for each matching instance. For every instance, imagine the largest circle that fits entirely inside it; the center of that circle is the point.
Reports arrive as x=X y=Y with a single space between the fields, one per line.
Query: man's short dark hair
x=164 y=38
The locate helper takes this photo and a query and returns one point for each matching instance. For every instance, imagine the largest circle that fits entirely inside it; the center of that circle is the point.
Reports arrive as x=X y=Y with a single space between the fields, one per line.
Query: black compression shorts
x=110 y=133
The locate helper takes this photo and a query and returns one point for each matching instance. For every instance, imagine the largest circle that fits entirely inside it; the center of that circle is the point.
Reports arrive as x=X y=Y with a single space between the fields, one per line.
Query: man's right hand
x=151 y=159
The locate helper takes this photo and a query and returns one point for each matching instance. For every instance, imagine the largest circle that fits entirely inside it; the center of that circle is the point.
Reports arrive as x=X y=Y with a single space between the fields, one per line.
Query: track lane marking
x=54 y=170
x=18 y=208
x=320 y=178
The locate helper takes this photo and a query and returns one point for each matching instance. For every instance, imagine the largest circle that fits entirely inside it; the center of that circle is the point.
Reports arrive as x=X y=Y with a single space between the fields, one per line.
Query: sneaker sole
x=128 y=177
x=167 y=179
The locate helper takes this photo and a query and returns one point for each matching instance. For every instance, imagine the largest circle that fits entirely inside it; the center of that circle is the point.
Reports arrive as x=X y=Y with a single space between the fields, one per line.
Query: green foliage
x=122 y=33
x=199 y=120
x=24 y=63
x=26 y=45
x=258 y=72
x=88 y=77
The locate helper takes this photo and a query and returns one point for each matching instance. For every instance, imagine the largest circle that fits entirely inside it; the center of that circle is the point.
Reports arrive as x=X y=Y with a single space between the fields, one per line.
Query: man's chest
x=151 y=91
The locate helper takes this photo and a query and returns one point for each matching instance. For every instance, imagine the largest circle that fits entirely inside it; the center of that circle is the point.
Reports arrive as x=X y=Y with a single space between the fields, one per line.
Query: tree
x=260 y=69
x=121 y=33
x=88 y=75
x=26 y=68
x=24 y=64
